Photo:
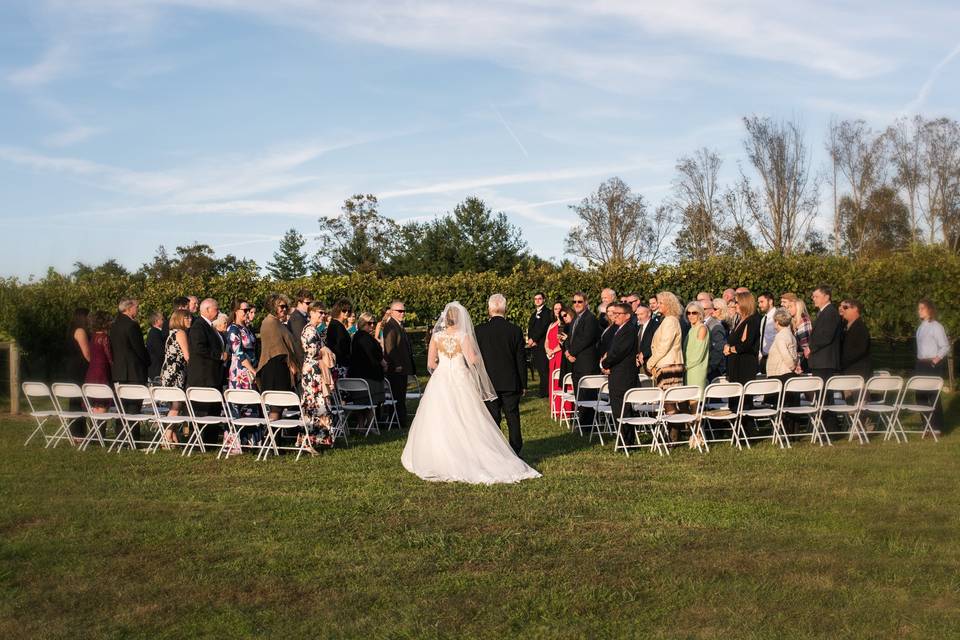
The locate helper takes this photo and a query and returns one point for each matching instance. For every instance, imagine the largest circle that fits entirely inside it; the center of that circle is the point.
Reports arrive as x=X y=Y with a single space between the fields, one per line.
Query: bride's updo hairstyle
x=452 y=318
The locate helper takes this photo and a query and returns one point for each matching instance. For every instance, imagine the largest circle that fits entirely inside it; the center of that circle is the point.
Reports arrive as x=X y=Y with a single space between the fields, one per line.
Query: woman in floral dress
x=315 y=378
x=242 y=347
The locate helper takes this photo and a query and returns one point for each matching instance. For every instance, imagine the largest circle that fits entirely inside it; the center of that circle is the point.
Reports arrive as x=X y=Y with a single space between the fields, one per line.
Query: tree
x=161 y=267
x=470 y=239
x=697 y=204
x=196 y=260
x=940 y=184
x=109 y=269
x=860 y=156
x=359 y=239
x=615 y=227
x=905 y=145
x=878 y=227
x=784 y=205
x=289 y=260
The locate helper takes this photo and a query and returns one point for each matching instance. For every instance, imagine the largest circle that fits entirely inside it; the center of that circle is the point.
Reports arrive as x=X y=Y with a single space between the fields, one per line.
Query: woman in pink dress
x=554 y=353
x=101 y=358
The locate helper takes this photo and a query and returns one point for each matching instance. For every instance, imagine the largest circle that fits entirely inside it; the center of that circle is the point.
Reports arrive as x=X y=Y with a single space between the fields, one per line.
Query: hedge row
x=36 y=313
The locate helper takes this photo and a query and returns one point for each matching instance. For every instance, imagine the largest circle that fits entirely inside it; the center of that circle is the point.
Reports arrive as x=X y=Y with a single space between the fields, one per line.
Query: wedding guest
x=366 y=357
x=567 y=316
x=242 y=347
x=130 y=357
x=655 y=312
x=193 y=305
x=800 y=322
x=716 y=363
x=101 y=357
x=855 y=348
x=298 y=319
x=932 y=349
x=180 y=302
x=743 y=344
x=729 y=295
x=768 y=326
x=316 y=380
x=76 y=360
x=384 y=317
x=607 y=297
x=696 y=347
x=620 y=362
x=278 y=359
x=176 y=356
x=221 y=323
x=784 y=360
x=646 y=328
x=352 y=324
x=634 y=300
x=207 y=357
x=665 y=364
x=581 y=348
x=537 y=327
x=338 y=339
x=552 y=350
x=606 y=335
x=399 y=355
x=733 y=318
x=154 y=344
x=705 y=298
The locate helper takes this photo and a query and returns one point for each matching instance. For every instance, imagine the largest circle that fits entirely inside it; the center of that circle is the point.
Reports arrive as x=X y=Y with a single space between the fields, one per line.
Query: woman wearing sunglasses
x=278 y=358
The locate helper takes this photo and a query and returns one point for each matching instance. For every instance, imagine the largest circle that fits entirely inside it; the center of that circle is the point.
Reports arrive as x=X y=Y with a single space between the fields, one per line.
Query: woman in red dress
x=101 y=358
x=554 y=351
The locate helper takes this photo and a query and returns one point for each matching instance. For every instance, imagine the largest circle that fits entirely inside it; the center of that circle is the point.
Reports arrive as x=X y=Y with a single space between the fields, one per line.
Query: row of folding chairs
x=884 y=398
x=55 y=409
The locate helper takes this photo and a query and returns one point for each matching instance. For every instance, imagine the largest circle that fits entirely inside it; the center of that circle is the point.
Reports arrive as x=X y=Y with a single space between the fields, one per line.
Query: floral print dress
x=173 y=373
x=314 y=400
x=242 y=345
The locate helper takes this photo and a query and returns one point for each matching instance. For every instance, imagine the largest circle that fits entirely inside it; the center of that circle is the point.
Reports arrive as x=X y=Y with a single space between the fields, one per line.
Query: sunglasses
x=244 y=309
x=578 y=302
x=400 y=310
x=282 y=306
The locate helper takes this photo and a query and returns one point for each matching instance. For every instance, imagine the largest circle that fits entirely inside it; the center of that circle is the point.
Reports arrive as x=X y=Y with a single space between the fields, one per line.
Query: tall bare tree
x=940 y=186
x=615 y=226
x=905 y=144
x=785 y=203
x=697 y=204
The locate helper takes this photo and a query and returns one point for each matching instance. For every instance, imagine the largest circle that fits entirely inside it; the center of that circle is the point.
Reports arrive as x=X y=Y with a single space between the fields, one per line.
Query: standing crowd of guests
x=737 y=335
x=301 y=347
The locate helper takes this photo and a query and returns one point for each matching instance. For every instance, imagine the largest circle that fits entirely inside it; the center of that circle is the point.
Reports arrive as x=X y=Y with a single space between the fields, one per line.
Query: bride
x=453 y=437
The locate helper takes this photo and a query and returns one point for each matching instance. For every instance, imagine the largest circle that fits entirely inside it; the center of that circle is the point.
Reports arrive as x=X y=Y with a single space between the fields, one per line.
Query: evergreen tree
x=289 y=260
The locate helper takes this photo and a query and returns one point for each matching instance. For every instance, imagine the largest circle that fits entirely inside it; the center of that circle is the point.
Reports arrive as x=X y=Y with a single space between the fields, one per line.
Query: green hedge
x=36 y=313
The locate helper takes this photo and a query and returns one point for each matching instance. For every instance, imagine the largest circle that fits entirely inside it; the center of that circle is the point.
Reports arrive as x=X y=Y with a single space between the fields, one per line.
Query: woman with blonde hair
x=743 y=343
x=696 y=346
x=800 y=321
x=720 y=313
x=665 y=363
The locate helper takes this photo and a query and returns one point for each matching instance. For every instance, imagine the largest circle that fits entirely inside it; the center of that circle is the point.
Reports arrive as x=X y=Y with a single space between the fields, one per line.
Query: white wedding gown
x=453 y=438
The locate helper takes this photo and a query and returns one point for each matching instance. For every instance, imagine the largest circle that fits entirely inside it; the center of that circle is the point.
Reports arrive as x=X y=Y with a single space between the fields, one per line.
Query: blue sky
x=126 y=124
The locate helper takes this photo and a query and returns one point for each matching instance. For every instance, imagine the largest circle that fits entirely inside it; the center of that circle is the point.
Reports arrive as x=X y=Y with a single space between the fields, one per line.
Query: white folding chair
x=283 y=401
x=338 y=419
x=881 y=398
x=66 y=391
x=414 y=391
x=390 y=404
x=567 y=397
x=716 y=408
x=849 y=390
x=237 y=402
x=605 y=411
x=764 y=412
x=555 y=391
x=648 y=402
x=38 y=397
x=208 y=396
x=98 y=420
x=588 y=383
x=933 y=387
x=643 y=380
x=166 y=396
x=132 y=393
x=355 y=397
x=810 y=390
x=683 y=394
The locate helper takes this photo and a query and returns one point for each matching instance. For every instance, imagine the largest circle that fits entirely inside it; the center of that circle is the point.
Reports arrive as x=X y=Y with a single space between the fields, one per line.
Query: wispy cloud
x=72 y=136
x=51 y=65
x=509 y=130
x=915 y=105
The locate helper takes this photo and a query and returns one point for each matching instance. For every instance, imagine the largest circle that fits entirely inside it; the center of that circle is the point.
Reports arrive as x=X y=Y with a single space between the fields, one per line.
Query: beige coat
x=665 y=349
x=782 y=358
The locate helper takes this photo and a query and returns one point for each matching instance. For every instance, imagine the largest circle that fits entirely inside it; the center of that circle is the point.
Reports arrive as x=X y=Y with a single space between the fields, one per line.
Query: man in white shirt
x=768 y=326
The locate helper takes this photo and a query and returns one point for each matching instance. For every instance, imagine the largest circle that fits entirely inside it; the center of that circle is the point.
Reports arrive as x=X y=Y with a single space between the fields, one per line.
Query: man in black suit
x=399 y=356
x=620 y=362
x=298 y=320
x=156 y=345
x=824 y=344
x=130 y=357
x=537 y=328
x=646 y=327
x=205 y=368
x=501 y=345
x=581 y=349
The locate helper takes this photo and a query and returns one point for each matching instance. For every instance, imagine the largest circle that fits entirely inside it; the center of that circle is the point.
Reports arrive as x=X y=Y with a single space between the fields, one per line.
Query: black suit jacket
x=645 y=340
x=538 y=325
x=205 y=368
x=338 y=341
x=296 y=323
x=366 y=355
x=155 y=348
x=825 y=339
x=502 y=347
x=621 y=359
x=855 y=351
x=582 y=345
x=130 y=357
x=397 y=349
x=606 y=339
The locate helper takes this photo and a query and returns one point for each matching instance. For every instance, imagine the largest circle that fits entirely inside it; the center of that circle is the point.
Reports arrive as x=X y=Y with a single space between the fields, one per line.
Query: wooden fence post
x=14 y=379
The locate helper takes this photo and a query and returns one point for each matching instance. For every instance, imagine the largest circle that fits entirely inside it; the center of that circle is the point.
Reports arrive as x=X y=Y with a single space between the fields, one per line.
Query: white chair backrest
x=204 y=394
x=387 y=391
x=803 y=384
x=98 y=392
x=36 y=390
x=884 y=384
x=568 y=380
x=880 y=372
x=844 y=383
x=719 y=379
x=133 y=392
x=66 y=390
x=241 y=396
x=591 y=382
x=682 y=394
x=722 y=391
x=643 y=395
x=167 y=394
x=644 y=380
x=925 y=383
x=280 y=399
x=353 y=384
x=764 y=387
x=555 y=376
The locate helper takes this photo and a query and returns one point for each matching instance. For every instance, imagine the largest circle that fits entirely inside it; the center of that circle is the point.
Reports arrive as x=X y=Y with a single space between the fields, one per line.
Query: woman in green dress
x=696 y=347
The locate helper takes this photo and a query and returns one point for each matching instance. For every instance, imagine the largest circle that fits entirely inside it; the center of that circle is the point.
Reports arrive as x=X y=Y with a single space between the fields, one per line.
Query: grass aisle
x=843 y=542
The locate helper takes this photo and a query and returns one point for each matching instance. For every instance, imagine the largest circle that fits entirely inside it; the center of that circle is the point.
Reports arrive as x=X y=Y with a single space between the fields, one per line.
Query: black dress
x=338 y=341
x=74 y=364
x=743 y=365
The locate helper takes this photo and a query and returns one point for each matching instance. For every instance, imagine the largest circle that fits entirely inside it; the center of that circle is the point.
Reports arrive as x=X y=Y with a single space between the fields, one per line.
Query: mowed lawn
x=850 y=541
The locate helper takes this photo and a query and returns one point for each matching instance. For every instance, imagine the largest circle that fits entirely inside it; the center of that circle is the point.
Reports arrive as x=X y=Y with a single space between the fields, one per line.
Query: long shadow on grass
x=535 y=451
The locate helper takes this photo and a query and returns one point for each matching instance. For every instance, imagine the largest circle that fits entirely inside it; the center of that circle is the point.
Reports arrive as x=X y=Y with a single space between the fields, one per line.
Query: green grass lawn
x=843 y=542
